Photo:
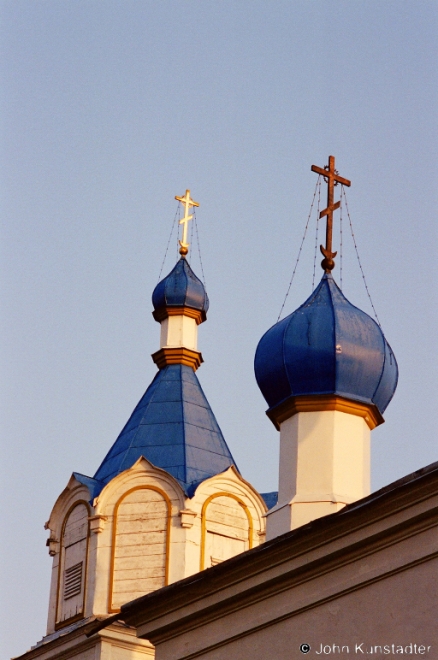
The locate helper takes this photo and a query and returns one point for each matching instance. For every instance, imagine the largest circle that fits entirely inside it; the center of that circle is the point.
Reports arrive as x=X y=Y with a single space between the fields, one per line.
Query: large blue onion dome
x=326 y=347
x=181 y=288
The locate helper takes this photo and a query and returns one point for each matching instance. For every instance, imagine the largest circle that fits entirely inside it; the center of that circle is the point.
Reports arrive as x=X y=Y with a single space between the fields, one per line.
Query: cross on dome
x=332 y=178
x=187 y=202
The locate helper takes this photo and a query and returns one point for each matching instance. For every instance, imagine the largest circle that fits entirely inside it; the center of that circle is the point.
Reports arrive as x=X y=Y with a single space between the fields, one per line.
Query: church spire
x=173 y=425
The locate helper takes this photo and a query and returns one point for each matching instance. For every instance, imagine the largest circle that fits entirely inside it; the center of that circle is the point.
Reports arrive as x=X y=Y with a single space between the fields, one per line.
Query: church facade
x=168 y=551
x=361 y=582
x=166 y=502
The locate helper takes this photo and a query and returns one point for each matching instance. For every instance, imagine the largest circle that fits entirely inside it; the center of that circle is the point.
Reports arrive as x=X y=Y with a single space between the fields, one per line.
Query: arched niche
x=72 y=571
x=140 y=545
x=226 y=528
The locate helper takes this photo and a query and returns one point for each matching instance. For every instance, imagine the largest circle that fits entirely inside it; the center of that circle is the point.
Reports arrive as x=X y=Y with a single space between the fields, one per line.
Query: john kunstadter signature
x=371 y=649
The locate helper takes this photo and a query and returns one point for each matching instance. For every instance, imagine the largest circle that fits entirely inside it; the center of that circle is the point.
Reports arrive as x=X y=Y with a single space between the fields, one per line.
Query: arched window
x=140 y=545
x=226 y=528
x=73 y=565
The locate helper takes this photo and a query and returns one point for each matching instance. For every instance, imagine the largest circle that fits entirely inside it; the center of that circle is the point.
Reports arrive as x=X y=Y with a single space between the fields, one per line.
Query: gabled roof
x=173 y=427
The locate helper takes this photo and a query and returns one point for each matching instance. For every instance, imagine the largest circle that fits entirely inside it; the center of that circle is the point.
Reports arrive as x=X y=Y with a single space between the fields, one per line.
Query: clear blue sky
x=109 y=110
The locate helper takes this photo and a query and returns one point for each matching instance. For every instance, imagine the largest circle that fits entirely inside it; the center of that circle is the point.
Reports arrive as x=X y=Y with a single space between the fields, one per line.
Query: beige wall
x=398 y=610
x=367 y=574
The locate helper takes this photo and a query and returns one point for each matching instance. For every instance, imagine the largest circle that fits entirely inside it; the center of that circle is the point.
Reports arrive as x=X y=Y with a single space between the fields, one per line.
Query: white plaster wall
x=226 y=518
x=145 y=517
x=52 y=598
x=74 y=492
x=140 y=551
x=226 y=532
x=324 y=464
x=73 y=553
x=87 y=654
x=116 y=642
x=99 y=573
x=177 y=331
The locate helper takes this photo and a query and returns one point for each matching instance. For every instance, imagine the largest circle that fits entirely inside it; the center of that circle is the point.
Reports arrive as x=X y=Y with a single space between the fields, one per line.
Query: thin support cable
x=299 y=251
x=191 y=232
x=177 y=213
x=316 y=232
x=199 y=247
x=340 y=241
x=177 y=233
x=357 y=255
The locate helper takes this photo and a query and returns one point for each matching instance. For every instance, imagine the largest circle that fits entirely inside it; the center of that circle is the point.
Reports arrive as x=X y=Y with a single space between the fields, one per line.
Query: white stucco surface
x=177 y=331
x=324 y=464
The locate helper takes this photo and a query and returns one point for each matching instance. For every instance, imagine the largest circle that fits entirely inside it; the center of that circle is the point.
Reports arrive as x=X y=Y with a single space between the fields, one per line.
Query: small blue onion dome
x=327 y=346
x=181 y=288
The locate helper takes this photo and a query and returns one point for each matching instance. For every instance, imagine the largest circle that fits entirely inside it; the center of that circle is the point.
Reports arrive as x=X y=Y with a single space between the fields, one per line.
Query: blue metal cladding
x=180 y=288
x=173 y=427
x=93 y=486
x=270 y=499
x=327 y=346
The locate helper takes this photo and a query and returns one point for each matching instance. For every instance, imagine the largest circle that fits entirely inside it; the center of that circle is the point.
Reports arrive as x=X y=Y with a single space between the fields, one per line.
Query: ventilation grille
x=73 y=581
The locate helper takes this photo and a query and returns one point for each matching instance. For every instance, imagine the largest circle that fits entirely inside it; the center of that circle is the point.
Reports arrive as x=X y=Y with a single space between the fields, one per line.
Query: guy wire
x=301 y=247
x=357 y=255
x=199 y=246
x=340 y=239
x=177 y=213
x=316 y=233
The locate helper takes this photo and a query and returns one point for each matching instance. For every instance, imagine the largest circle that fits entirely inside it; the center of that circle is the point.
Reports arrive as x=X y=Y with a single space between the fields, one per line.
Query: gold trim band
x=161 y=314
x=179 y=355
x=321 y=402
x=165 y=497
x=204 y=522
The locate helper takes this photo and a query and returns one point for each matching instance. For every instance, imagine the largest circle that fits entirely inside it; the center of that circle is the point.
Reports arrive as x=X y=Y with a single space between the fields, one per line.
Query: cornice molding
x=399 y=511
x=162 y=313
x=73 y=643
x=179 y=355
x=173 y=626
x=322 y=402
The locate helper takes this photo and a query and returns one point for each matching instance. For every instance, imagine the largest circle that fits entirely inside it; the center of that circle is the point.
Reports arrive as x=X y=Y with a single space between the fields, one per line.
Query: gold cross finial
x=187 y=202
x=332 y=178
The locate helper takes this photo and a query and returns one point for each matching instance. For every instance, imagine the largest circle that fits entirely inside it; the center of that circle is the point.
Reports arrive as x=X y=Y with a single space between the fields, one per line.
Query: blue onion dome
x=327 y=346
x=181 y=288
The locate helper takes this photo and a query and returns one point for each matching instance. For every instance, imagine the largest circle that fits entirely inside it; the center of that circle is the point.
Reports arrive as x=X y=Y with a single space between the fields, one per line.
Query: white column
x=324 y=465
x=179 y=331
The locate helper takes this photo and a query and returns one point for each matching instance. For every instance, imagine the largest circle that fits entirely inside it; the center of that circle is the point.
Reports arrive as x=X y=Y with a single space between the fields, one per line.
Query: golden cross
x=332 y=178
x=188 y=202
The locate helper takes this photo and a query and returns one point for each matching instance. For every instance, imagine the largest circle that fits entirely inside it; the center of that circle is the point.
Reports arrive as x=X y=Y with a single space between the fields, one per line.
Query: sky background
x=110 y=109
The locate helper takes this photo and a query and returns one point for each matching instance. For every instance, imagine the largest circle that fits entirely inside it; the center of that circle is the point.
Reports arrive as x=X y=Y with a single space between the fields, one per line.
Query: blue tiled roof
x=93 y=485
x=327 y=346
x=181 y=288
x=173 y=427
x=270 y=499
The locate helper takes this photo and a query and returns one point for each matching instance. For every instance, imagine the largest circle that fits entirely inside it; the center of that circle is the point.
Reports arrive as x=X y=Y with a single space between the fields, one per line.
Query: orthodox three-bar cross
x=332 y=178
x=187 y=202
